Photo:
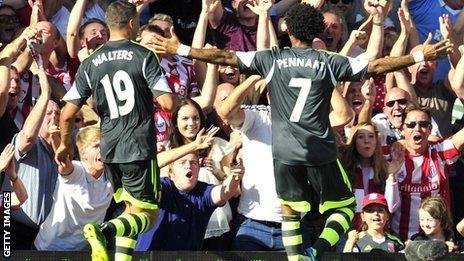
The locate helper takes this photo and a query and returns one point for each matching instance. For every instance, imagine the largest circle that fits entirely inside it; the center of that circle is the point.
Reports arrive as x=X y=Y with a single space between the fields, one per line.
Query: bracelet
x=379 y=24
x=183 y=50
x=15 y=179
x=418 y=56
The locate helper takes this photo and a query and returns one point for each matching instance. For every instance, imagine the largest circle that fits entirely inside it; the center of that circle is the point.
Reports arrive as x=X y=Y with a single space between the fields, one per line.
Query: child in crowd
x=375 y=217
x=435 y=222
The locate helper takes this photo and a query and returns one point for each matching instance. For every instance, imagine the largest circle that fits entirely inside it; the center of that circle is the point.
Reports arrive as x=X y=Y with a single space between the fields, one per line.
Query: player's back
x=300 y=82
x=117 y=73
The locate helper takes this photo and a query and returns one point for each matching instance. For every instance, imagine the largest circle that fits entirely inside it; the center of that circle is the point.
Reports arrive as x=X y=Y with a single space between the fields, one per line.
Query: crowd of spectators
x=399 y=136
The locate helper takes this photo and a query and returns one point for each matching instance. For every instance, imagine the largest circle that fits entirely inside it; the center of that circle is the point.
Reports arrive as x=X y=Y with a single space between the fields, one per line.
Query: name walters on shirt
x=300 y=62
x=112 y=56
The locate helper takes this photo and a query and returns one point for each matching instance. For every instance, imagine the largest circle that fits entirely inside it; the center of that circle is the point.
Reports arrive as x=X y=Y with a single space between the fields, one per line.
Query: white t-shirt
x=79 y=199
x=258 y=199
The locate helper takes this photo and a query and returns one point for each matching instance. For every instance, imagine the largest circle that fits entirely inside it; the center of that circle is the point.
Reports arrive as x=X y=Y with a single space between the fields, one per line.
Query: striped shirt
x=421 y=177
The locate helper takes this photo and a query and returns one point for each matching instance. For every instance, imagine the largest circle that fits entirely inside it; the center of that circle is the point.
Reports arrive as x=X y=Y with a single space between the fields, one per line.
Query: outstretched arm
x=230 y=108
x=216 y=56
x=429 y=52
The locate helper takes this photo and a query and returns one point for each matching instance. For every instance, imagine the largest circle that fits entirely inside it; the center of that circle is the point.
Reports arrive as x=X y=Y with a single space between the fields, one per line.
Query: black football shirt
x=300 y=83
x=122 y=77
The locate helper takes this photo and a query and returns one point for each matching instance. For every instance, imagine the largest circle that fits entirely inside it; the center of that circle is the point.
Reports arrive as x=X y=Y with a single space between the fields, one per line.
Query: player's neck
x=117 y=35
x=298 y=43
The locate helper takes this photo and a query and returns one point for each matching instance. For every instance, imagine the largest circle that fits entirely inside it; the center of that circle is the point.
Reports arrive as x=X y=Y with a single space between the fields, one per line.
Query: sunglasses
x=346 y=2
x=11 y=19
x=392 y=102
x=422 y=124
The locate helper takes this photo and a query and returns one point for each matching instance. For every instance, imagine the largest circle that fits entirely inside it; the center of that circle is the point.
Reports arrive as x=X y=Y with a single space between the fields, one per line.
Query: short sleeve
x=345 y=68
x=447 y=151
x=154 y=75
x=255 y=62
x=81 y=89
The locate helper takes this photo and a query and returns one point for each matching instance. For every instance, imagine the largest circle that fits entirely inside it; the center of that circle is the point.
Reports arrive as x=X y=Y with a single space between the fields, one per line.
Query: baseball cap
x=374 y=198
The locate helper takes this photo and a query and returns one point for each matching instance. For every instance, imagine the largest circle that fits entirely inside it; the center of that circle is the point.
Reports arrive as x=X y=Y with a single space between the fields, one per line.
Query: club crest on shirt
x=160 y=124
x=401 y=175
x=432 y=172
x=391 y=247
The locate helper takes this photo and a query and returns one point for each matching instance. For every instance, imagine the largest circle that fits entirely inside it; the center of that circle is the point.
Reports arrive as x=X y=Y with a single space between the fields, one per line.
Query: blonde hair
x=87 y=135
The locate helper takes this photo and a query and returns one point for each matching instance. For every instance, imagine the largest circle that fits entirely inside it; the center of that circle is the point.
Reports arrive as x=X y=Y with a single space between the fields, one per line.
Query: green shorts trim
x=122 y=195
x=327 y=205
x=327 y=186
x=300 y=206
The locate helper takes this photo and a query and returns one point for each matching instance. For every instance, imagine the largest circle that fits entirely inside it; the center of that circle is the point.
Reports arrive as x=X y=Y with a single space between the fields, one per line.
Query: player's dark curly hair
x=304 y=22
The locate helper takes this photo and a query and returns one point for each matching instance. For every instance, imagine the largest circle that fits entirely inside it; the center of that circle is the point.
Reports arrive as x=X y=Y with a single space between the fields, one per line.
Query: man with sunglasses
x=425 y=170
x=390 y=122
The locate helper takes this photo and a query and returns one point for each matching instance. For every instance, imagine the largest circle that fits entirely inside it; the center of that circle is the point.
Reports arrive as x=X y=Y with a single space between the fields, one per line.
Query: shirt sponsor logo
x=419 y=188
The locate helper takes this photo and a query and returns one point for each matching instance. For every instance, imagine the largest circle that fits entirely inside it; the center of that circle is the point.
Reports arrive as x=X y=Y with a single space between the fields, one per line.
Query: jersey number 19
x=115 y=87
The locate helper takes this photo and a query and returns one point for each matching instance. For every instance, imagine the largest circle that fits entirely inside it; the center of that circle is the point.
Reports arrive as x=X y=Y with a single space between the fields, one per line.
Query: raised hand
x=204 y=141
x=6 y=157
x=209 y=6
x=358 y=37
x=376 y=8
x=63 y=155
x=405 y=20
x=260 y=6
x=164 y=45
x=397 y=158
x=315 y=3
x=446 y=26
x=368 y=90
x=435 y=51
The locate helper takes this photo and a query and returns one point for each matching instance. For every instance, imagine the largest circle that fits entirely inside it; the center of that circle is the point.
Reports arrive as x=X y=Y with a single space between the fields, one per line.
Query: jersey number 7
x=126 y=94
x=305 y=85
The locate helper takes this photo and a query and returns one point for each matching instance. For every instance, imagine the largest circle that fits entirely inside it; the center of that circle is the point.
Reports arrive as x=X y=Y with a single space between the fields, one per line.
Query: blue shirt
x=425 y=14
x=182 y=219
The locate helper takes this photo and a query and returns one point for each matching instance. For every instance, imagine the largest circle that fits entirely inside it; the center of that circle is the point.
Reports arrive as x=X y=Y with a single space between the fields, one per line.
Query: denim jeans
x=253 y=235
